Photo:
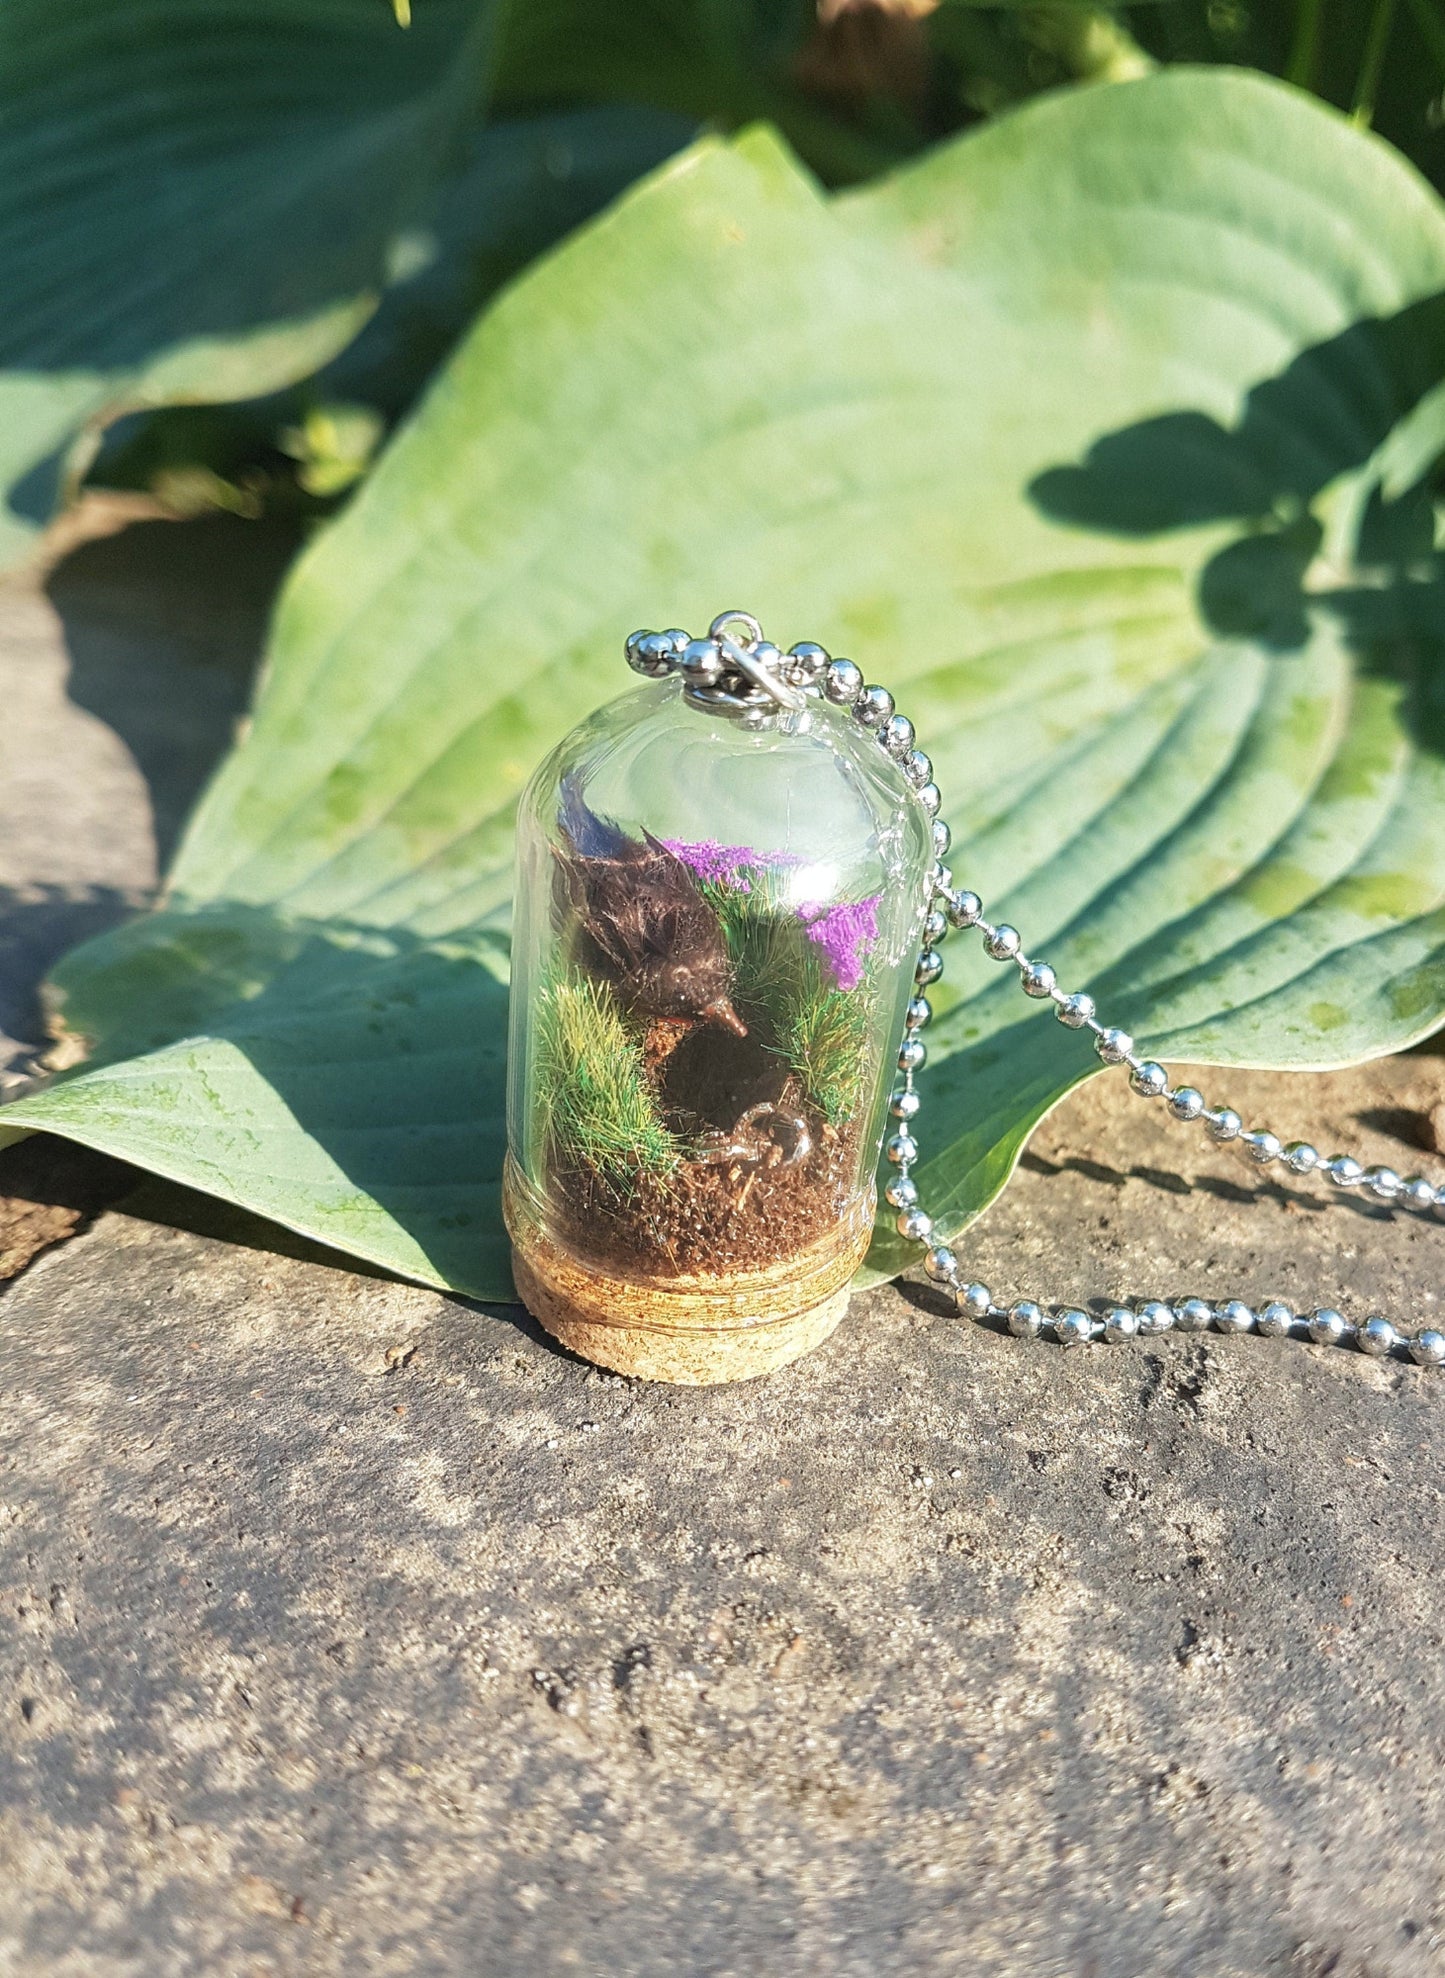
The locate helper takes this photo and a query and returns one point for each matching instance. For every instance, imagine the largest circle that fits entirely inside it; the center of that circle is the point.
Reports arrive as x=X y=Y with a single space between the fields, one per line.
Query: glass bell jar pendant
x=721 y=880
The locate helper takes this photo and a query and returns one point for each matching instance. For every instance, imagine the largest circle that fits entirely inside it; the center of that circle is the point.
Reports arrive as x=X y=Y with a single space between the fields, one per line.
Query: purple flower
x=845 y=933
x=721 y=865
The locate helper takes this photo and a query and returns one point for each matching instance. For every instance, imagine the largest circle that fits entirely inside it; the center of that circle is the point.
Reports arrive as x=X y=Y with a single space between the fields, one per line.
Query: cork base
x=691 y=1329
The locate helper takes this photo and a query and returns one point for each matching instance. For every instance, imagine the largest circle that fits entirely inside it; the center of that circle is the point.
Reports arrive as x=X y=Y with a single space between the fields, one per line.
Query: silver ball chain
x=742 y=675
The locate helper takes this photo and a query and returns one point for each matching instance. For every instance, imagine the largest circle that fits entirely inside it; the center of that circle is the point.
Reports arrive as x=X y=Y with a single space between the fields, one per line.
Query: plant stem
x=1372 y=62
x=1432 y=29
x=1304 y=51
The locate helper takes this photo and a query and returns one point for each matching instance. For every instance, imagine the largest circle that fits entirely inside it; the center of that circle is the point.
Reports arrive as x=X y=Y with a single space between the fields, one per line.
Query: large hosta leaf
x=201 y=199
x=1098 y=435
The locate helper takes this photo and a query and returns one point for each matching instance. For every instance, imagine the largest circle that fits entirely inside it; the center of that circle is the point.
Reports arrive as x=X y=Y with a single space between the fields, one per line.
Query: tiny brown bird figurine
x=648 y=927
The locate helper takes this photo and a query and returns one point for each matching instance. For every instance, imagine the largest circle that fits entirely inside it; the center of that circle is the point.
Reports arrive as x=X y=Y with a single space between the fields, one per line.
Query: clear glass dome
x=715 y=933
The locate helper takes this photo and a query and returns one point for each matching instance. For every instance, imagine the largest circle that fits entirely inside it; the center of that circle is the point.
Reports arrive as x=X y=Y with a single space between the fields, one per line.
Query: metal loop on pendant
x=764 y=683
x=719 y=625
x=763 y=678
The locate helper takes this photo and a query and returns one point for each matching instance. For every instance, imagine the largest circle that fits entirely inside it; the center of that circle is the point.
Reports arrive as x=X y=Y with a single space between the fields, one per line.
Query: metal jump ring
x=760 y=676
x=726 y=618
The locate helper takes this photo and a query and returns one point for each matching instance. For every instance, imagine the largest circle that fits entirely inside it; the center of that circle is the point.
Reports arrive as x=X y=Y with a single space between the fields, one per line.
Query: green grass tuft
x=784 y=991
x=825 y=1040
x=599 y=1109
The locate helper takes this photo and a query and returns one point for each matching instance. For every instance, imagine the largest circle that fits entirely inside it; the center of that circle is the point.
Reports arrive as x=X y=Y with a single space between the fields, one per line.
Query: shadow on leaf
x=348 y=1082
x=1326 y=474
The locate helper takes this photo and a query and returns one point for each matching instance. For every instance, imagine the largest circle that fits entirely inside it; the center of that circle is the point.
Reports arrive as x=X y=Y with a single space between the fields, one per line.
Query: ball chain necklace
x=734 y=670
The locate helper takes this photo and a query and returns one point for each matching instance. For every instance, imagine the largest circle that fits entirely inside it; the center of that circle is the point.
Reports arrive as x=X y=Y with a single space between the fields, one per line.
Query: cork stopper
x=694 y=1328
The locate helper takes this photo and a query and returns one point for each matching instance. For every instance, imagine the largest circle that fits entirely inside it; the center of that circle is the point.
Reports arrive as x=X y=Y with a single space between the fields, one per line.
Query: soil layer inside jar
x=715 y=1215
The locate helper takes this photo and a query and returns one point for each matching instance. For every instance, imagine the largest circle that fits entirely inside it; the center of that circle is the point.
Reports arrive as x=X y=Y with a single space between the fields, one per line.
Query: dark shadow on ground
x=44 y=1172
x=38 y=924
x=164 y=624
x=1220 y=1187
x=1411 y=1129
x=50 y=1190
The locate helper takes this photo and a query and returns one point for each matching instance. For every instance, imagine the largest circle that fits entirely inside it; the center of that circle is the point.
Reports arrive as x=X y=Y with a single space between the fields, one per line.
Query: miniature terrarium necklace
x=730 y=899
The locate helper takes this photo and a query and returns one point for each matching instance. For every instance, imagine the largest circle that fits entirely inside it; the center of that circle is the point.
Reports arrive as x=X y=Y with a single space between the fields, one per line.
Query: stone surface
x=121 y=682
x=348 y=1629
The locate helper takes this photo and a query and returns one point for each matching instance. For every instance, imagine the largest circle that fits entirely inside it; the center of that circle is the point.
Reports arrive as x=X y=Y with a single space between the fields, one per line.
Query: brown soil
x=712 y=1077
x=50 y=1191
x=715 y=1217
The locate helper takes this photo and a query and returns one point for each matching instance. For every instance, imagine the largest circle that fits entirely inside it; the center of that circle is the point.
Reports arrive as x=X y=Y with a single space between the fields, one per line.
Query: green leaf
x=200 y=200
x=1079 y=434
x=1383 y=60
x=511 y=190
x=515 y=188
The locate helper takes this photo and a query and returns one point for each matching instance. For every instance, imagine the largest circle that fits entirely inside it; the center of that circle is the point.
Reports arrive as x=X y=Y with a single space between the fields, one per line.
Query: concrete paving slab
x=345 y=1628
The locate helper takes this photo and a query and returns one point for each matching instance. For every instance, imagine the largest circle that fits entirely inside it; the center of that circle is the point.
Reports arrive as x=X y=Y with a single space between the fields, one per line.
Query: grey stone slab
x=348 y=1629
x=76 y=850
x=121 y=683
